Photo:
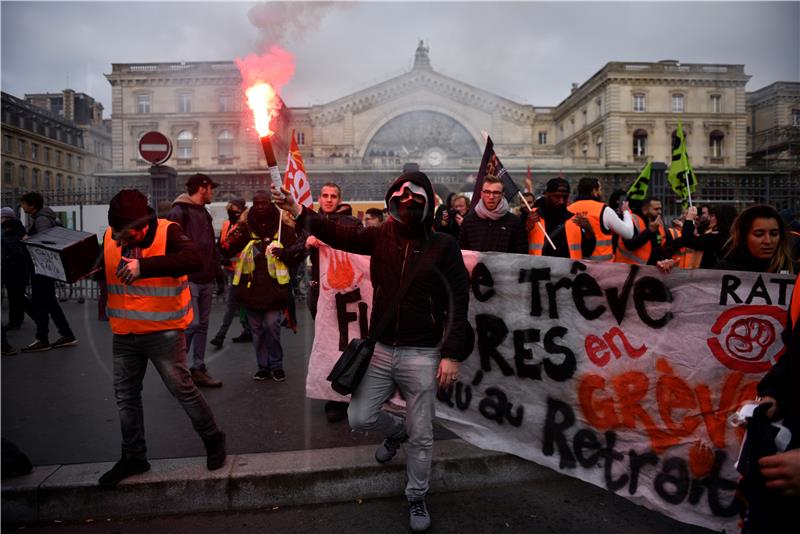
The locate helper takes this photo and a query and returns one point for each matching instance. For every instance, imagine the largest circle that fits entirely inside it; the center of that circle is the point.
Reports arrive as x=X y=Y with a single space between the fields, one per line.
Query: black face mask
x=410 y=211
x=233 y=215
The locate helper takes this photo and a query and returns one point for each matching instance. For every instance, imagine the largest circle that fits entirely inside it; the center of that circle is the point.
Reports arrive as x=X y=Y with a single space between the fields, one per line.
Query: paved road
x=58 y=406
x=563 y=506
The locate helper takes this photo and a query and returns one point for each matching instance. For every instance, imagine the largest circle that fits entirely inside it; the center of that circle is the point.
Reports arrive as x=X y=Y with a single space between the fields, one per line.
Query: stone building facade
x=610 y=126
x=41 y=150
x=773 y=126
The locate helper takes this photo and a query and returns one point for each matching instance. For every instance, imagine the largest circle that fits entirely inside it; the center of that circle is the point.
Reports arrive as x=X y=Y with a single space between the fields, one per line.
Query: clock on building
x=435 y=158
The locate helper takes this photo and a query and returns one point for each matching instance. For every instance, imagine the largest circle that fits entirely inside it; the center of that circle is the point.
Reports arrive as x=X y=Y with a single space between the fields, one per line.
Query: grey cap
x=8 y=212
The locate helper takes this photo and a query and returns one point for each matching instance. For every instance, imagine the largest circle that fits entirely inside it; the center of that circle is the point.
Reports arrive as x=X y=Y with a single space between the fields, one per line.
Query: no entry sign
x=155 y=147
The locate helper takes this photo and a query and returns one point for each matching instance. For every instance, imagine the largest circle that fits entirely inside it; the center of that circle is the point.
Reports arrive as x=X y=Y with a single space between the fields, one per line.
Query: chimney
x=69 y=104
x=574 y=87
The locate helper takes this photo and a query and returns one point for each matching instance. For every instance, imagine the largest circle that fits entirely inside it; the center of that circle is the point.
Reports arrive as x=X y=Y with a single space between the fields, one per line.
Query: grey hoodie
x=42 y=220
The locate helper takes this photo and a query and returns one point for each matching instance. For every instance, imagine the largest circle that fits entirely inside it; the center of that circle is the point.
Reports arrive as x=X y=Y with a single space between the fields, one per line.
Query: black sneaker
x=37 y=346
x=215 y=451
x=123 y=469
x=418 y=517
x=9 y=350
x=261 y=375
x=336 y=411
x=244 y=337
x=278 y=375
x=64 y=341
x=217 y=341
x=387 y=450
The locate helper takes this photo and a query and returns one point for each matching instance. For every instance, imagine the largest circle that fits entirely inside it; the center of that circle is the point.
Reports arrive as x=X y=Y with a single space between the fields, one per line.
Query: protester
x=571 y=234
x=652 y=242
x=261 y=280
x=330 y=198
x=710 y=244
x=441 y=219
x=416 y=351
x=758 y=242
x=772 y=508
x=235 y=208
x=491 y=226
x=15 y=269
x=190 y=212
x=345 y=209
x=453 y=218
x=146 y=262
x=43 y=289
x=373 y=217
x=603 y=220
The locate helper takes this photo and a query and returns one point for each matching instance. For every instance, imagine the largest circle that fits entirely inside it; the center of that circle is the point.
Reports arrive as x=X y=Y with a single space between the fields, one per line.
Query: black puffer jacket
x=433 y=311
x=506 y=234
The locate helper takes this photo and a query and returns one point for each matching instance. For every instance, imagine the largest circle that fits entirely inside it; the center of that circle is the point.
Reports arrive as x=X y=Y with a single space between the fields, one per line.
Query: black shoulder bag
x=349 y=369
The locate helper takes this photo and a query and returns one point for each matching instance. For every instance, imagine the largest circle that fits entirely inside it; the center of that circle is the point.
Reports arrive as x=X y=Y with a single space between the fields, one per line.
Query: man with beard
x=571 y=234
x=261 y=279
x=190 y=212
x=491 y=226
x=424 y=339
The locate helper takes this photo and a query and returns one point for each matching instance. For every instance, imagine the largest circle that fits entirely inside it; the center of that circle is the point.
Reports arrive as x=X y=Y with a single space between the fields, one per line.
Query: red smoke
x=274 y=69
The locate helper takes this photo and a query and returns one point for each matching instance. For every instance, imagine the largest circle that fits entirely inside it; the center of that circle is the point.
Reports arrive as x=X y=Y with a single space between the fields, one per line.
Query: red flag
x=529 y=181
x=296 y=180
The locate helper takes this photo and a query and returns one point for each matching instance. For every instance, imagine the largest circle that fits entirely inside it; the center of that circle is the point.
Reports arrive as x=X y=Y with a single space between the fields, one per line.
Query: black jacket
x=712 y=244
x=197 y=223
x=433 y=311
x=506 y=234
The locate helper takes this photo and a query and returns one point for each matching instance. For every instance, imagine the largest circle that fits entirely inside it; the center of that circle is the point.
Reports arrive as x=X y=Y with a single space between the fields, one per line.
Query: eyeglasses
x=491 y=193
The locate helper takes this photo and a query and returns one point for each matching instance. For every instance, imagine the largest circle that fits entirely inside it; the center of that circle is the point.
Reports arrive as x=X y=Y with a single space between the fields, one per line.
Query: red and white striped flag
x=529 y=181
x=296 y=180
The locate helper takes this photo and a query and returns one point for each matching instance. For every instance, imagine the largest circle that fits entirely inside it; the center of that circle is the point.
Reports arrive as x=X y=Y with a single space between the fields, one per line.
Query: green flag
x=681 y=176
x=638 y=189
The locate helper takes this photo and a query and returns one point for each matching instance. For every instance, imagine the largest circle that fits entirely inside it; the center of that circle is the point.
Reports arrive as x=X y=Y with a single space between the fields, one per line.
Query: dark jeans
x=232 y=310
x=18 y=303
x=266 y=328
x=167 y=351
x=45 y=305
x=197 y=332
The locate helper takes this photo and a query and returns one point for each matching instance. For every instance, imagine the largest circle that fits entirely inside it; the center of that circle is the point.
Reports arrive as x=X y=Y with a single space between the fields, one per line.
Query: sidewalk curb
x=249 y=481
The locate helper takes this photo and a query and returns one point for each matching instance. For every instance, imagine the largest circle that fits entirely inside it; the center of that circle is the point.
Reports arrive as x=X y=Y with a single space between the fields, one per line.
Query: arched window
x=639 y=143
x=23 y=176
x=35 y=178
x=59 y=181
x=47 y=180
x=715 y=143
x=225 y=145
x=185 y=139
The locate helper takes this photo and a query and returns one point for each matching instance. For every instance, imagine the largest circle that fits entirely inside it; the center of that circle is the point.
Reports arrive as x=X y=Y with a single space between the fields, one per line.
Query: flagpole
x=688 y=189
x=538 y=223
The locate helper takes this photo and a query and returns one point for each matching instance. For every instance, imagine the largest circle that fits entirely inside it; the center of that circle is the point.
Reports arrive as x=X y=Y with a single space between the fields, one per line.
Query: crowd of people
x=161 y=275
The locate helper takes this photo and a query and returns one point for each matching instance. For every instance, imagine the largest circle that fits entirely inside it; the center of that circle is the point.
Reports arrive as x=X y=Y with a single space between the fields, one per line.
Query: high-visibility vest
x=641 y=254
x=603 y=250
x=679 y=255
x=536 y=240
x=223 y=237
x=794 y=306
x=150 y=304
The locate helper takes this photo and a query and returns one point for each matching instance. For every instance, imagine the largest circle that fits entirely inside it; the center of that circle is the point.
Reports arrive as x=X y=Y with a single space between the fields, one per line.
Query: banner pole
x=538 y=223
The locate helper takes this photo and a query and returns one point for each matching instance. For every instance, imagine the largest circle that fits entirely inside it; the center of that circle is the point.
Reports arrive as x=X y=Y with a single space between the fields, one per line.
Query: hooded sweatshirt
x=433 y=311
x=42 y=220
x=197 y=223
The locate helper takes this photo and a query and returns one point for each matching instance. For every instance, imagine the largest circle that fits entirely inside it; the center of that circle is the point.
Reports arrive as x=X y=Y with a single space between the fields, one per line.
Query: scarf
x=483 y=212
x=247 y=263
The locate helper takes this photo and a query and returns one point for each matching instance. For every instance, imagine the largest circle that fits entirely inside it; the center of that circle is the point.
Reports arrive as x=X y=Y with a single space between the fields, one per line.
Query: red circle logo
x=746 y=337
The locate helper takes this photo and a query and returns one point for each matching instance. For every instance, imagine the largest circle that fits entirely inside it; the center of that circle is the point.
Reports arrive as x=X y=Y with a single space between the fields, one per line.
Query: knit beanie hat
x=128 y=208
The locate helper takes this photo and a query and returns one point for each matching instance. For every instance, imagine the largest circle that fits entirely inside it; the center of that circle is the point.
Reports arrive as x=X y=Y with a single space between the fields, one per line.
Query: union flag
x=296 y=180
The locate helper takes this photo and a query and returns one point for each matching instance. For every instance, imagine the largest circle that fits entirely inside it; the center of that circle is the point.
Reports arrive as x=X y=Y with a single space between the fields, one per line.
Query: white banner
x=618 y=375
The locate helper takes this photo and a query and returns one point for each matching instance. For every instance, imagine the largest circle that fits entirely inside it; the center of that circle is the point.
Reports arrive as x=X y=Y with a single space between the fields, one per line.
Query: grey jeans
x=167 y=351
x=197 y=332
x=413 y=370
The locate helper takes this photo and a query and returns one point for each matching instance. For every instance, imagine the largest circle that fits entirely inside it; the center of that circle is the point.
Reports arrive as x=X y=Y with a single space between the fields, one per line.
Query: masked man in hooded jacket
x=424 y=342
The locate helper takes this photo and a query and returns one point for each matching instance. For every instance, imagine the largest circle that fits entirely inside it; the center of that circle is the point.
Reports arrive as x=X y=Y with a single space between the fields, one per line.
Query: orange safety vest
x=679 y=255
x=604 y=250
x=641 y=254
x=794 y=306
x=150 y=304
x=536 y=240
x=223 y=236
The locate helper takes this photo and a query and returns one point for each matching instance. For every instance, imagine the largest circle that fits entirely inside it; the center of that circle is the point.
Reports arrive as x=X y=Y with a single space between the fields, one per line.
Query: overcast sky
x=527 y=51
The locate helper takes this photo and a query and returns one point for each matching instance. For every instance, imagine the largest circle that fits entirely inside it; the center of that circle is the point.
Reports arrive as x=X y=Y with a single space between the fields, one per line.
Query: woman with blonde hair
x=758 y=243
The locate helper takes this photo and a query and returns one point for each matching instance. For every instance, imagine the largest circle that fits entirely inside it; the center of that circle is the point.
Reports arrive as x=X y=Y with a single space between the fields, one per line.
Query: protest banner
x=619 y=375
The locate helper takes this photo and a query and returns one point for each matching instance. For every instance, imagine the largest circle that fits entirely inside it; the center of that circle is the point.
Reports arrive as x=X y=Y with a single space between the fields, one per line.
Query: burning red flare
x=262 y=79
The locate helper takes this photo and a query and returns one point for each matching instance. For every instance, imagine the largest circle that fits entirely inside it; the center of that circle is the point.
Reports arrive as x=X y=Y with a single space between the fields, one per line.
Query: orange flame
x=264 y=102
x=262 y=79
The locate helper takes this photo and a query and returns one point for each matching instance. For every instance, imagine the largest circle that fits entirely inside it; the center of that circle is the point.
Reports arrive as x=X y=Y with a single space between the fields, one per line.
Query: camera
x=451 y=214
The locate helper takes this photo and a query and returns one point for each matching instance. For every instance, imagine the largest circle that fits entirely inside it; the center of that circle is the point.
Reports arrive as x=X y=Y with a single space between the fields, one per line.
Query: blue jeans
x=197 y=332
x=266 y=328
x=167 y=351
x=413 y=370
